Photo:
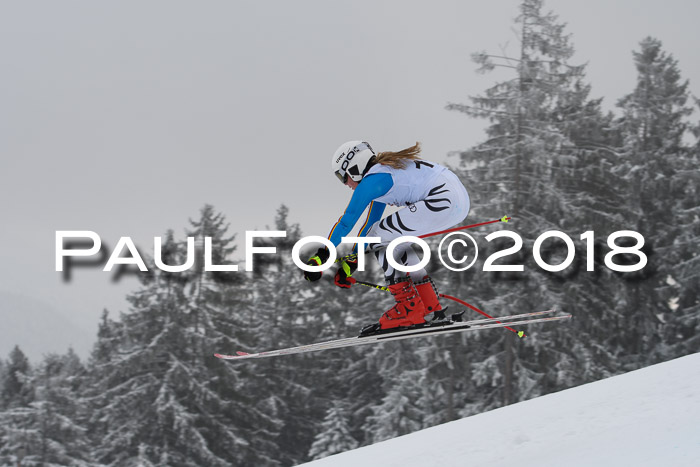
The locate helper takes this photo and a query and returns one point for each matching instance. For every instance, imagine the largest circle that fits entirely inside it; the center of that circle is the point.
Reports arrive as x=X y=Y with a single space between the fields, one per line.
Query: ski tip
x=229 y=357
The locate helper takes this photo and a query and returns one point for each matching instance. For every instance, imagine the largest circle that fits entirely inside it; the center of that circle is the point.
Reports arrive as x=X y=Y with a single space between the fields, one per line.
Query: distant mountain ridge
x=39 y=328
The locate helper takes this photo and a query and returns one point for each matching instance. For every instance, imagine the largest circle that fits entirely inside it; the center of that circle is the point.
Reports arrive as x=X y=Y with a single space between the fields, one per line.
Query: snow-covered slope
x=649 y=417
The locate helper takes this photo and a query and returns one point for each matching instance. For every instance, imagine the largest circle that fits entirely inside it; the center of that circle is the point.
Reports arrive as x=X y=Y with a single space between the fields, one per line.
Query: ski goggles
x=343 y=178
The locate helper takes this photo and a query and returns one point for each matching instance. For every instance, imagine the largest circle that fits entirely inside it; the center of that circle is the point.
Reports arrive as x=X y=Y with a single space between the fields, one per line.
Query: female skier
x=433 y=199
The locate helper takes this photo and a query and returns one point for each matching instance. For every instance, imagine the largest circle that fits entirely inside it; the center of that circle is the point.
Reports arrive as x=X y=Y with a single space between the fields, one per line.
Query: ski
x=442 y=327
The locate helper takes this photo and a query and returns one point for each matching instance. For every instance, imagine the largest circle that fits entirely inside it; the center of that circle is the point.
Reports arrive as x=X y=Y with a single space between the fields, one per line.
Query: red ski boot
x=429 y=295
x=409 y=309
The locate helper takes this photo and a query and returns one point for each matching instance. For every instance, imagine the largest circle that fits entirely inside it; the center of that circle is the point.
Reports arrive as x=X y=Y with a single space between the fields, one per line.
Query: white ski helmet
x=351 y=160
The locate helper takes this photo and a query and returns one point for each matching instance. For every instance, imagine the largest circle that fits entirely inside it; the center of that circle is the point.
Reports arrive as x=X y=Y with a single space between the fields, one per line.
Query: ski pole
x=520 y=334
x=504 y=219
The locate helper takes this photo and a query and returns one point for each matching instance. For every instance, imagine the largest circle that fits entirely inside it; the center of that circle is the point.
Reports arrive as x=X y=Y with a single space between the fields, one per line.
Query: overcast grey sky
x=127 y=117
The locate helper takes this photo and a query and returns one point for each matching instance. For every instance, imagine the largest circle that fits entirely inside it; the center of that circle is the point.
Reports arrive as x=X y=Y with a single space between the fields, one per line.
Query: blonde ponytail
x=397 y=160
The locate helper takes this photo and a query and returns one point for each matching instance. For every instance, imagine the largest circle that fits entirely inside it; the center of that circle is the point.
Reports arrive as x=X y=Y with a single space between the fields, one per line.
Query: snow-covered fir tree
x=662 y=172
x=49 y=430
x=399 y=412
x=683 y=331
x=334 y=434
x=16 y=389
x=359 y=386
x=158 y=393
x=401 y=409
x=652 y=128
x=547 y=163
x=289 y=311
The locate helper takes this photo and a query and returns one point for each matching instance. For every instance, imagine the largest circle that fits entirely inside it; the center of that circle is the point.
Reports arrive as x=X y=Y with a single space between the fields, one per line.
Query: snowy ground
x=649 y=417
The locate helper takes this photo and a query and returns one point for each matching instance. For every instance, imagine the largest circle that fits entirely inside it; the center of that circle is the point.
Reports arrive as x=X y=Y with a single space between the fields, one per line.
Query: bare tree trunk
x=508 y=371
x=450 y=396
x=508 y=342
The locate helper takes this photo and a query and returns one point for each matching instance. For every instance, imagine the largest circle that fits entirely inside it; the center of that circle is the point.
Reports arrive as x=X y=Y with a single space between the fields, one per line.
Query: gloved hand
x=346 y=269
x=318 y=259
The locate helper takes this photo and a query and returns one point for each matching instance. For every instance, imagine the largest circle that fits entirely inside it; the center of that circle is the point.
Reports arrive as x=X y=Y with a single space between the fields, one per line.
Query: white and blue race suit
x=433 y=199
